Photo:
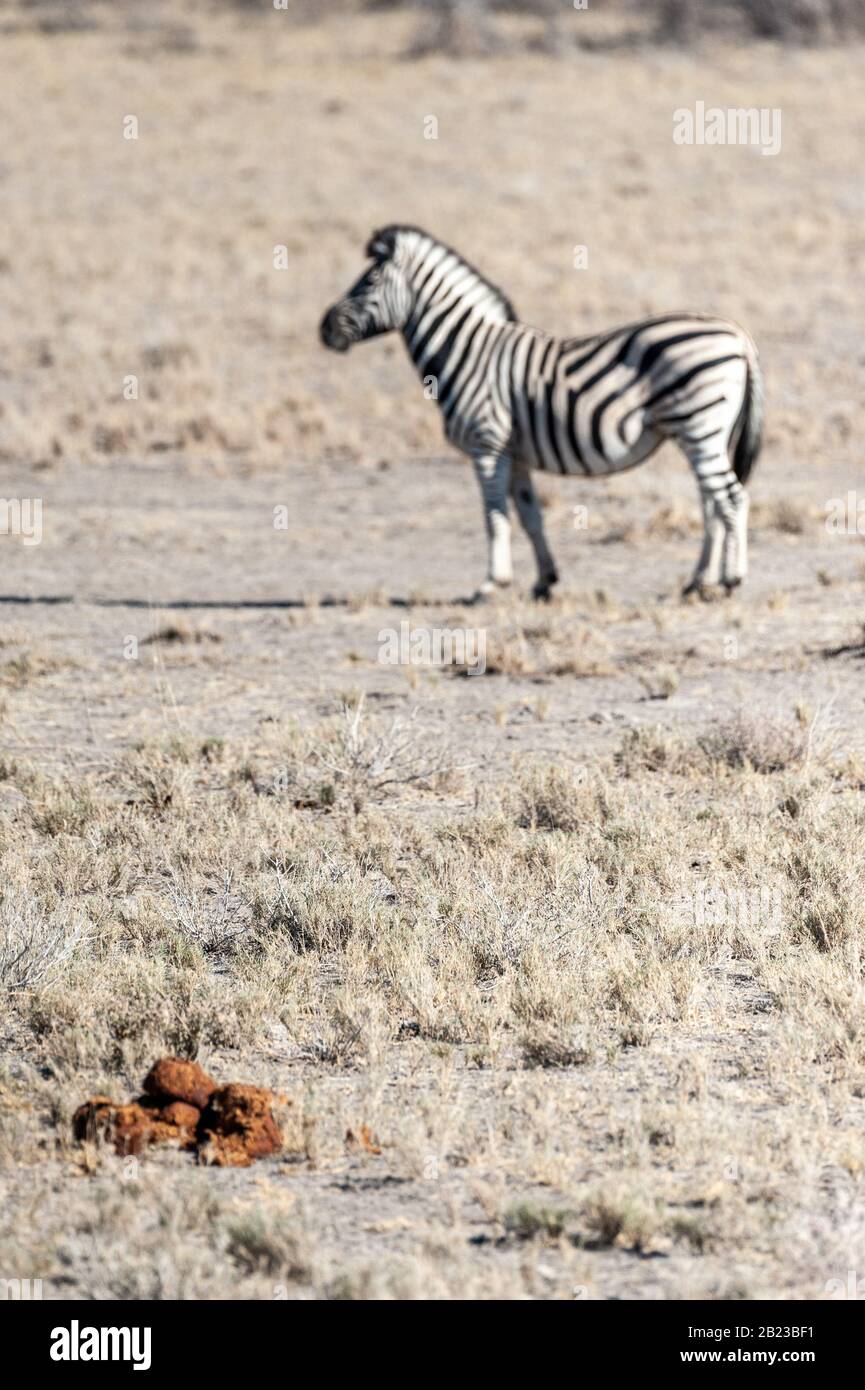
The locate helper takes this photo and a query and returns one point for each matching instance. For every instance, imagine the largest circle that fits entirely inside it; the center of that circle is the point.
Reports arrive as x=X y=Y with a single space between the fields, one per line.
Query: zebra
x=516 y=399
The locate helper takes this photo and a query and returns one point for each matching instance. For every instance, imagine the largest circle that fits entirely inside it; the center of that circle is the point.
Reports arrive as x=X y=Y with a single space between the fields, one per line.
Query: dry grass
x=29 y=666
x=760 y=742
x=786 y=515
x=790 y=21
x=548 y=648
x=181 y=632
x=741 y=741
x=544 y=939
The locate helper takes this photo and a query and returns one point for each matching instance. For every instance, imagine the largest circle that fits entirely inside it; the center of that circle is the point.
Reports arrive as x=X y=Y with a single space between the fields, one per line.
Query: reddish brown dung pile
x=172 y=1079
x=226 y=1125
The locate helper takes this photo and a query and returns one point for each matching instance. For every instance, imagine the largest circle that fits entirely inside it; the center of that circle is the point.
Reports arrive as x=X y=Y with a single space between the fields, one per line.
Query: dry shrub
x=502 y=925
x=659 y=683
x=457 y=28
x=804 y=19
x=212 y=914
x=272 y=1247
x=117 y=1013
x=653 y=749
x=826 y=896
x=35 y=945
x=623 y=1218
x=339 y=1043
x=321 y=903
x=822 y=1008
x=180 y=631
x=694 y=1230
x=529 y=1221
x=465 y=28
x=791 y=21
x=544 y=1047
x=761 y=742
x=59 y=16
x=62 y=809
x=558 y=1020
x=470 y=29
x=672 y=521
x=743 y=741
x=142 y=1239
x=784 y=515
x=28 y=666
x=357 y=759
x=549 y=648
x=554 y=798
x=159 y=779
x=400 y=958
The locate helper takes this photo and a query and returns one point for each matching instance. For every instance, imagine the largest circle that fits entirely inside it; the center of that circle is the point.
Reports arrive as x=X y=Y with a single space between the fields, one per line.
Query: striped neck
x=446 y=295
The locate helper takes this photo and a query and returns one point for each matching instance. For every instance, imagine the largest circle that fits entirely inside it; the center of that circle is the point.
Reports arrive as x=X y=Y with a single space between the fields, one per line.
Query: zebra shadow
x=232 y=605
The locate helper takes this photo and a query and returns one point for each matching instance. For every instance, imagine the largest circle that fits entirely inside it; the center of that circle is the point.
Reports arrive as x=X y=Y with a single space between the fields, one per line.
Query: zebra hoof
x=488 y=589
x=543 y=589
x=696 y=589
x=730 y=585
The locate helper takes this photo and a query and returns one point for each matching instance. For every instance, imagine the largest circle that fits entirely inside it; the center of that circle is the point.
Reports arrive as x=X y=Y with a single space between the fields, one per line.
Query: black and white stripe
x=517 y=399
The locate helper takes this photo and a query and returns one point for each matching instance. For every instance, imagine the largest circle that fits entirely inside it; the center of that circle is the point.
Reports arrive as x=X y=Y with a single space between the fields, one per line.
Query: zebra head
x=378 y=302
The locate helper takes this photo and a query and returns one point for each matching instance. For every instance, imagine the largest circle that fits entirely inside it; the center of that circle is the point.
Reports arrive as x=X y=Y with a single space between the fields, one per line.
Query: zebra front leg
x=529 y=512
x=494 y=473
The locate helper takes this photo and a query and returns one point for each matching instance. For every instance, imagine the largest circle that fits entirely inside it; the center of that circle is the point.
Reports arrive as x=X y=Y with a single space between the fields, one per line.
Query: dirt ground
x=462 y=911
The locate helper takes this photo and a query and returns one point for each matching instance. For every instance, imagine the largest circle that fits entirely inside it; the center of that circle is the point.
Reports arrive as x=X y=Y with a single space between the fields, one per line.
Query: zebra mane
x=383 y=243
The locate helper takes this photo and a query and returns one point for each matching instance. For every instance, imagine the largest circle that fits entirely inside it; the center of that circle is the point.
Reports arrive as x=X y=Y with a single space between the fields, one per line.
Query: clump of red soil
x=229 y=1126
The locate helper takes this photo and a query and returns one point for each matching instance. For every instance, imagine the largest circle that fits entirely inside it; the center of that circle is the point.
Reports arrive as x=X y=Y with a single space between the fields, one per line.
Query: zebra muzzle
x=333 y=333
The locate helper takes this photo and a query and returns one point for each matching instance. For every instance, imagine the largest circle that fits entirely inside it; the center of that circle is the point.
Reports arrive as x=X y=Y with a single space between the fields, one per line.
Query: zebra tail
x=750 y=422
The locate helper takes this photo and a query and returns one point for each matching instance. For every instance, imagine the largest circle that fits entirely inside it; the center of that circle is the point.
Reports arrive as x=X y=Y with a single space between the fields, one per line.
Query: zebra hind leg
x=529 y=512
x=724 y=554
x=735 y=561
x=708 y=571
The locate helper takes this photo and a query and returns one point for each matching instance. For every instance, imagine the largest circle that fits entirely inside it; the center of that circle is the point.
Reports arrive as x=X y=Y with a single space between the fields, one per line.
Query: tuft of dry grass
x=180 y=632
x=660 y=683
x=789 y=517
x=762 y=742
x=554 y=798
x=548 y=648
x=742 y=741
x=274 y=1248
x=544 y=1047
x=653 y=749
x=621 y=1218
x=28 y=666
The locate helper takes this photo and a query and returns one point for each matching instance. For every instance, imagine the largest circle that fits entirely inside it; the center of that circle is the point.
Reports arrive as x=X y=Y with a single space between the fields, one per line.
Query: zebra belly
x=554 y=438
x=620 y=458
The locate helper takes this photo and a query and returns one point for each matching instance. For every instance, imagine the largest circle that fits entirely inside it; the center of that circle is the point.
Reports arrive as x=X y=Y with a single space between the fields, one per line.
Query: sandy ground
x=154 y=258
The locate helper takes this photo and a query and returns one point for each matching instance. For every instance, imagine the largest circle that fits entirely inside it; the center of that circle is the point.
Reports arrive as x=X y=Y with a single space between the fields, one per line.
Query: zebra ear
x=382 y=244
